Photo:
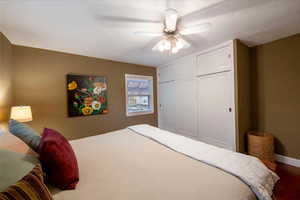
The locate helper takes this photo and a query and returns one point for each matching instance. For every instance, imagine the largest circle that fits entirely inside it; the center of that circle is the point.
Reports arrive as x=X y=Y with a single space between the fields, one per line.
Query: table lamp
x=21 y=113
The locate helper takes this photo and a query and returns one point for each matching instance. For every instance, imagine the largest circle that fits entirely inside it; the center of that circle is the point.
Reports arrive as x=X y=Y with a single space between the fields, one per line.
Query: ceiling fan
x=172 y=35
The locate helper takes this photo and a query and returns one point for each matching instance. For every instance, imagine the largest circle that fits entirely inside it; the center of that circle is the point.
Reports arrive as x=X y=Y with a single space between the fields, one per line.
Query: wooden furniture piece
x=261 y=145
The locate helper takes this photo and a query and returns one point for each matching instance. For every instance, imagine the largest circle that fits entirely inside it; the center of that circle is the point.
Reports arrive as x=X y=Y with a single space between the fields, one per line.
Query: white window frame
x=134 y=76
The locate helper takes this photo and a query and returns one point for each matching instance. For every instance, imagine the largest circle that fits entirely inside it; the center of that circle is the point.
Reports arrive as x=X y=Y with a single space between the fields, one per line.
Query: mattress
x=124 y=165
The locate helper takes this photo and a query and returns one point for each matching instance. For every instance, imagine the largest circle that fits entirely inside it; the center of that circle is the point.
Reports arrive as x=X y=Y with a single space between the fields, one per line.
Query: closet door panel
x=214 y=61
x=186 y=103
x=167 y=74
x=185 y=68
x=215 y=110
x=167 y=106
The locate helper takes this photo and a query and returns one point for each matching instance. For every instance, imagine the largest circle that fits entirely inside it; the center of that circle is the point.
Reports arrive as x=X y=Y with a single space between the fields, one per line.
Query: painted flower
x=75 y=104
x=98 y=84
x=88 y=101
x=101 y=85
x=77 y=96
x=105 y=111
x=104 y=86
x=87 y=110
x=97 y=90
x=96 y=105
x=72 y=85
x=102 y=99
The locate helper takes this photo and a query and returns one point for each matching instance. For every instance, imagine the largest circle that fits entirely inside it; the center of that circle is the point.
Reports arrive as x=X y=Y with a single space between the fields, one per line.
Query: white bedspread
x=249 y=169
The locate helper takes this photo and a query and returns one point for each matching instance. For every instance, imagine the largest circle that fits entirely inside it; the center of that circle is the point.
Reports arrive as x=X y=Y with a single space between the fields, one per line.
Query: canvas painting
x=87 y=95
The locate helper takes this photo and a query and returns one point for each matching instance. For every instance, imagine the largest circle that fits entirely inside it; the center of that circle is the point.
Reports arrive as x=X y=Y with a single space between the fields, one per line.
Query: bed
x=128 y=164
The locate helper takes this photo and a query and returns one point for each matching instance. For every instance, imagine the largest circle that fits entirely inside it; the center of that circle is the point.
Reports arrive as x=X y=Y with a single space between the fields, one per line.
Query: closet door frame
x=229 y=109
x=193 y=57
x=231 y=68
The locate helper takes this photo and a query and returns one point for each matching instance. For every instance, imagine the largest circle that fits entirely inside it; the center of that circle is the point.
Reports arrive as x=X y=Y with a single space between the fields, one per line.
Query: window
x=139 y=94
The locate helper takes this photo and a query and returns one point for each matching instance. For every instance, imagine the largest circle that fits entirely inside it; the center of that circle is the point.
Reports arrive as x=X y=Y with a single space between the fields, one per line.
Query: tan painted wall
x=6 y=72
x=276 y=92
x=243 y=105
x=40 y=81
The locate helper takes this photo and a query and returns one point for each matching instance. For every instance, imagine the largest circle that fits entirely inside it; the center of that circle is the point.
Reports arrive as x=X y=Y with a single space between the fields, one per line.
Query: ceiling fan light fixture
x=171 y=20
x=161 y=48
x=166 y=45
x=175 y=50
x=172 y=44
x=179 y=44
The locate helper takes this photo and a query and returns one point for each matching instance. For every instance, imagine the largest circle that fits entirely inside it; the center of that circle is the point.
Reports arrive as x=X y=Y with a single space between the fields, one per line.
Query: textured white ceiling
x=97 y=28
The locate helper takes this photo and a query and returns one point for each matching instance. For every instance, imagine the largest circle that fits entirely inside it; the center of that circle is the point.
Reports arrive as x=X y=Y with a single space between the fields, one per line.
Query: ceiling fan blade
x=128 y=22
x=171 y=19
x=199 y=28
x=144 y=33
x=127 y=19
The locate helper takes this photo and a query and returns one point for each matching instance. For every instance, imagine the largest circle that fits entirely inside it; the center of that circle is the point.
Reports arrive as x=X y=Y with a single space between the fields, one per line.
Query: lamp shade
x=21 y=113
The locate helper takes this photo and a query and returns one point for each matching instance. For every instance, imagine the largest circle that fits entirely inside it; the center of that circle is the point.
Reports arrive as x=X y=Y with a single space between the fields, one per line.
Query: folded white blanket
x=249 y=169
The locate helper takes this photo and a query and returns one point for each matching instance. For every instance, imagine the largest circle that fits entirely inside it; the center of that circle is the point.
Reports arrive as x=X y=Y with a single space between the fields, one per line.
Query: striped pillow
x=30 y=187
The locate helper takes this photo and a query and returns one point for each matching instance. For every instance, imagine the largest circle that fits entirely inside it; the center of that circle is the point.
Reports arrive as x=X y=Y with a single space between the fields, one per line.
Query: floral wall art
x=87 y=95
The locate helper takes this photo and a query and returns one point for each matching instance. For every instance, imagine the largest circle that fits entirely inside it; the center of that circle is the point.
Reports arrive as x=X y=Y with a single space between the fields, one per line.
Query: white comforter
x=249 y=169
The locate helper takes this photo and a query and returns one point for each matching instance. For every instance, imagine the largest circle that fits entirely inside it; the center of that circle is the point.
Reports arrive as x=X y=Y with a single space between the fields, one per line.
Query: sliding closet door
x=167 y=103
x=215 y=109
x=186 y=103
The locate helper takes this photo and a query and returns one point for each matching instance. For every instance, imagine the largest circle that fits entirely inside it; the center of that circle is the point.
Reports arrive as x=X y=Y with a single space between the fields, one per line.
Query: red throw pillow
x=58 y=160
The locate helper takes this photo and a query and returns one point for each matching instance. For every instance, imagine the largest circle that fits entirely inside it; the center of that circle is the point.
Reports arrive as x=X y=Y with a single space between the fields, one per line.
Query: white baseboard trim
x=287 y=160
